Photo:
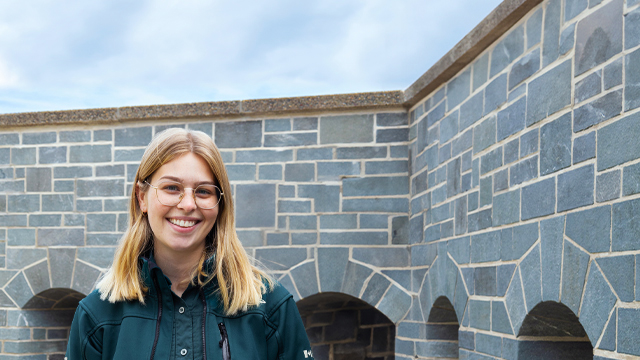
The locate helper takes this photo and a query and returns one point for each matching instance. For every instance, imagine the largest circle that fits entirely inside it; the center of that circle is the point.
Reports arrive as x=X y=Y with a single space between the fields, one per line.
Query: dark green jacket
x=130 y=330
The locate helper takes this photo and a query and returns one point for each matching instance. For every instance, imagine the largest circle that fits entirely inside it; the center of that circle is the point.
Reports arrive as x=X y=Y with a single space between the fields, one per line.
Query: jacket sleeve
x=292 y=336
x=83 y=344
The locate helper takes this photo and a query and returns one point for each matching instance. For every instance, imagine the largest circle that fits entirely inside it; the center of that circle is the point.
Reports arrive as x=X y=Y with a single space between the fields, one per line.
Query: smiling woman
x=181 y=285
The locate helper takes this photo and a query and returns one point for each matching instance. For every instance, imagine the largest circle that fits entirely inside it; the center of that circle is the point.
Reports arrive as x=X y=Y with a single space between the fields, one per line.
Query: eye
x=204 y=191
x=170 y=188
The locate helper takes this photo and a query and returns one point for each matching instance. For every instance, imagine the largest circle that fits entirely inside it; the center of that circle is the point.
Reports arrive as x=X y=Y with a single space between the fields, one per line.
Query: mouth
x=183 y=223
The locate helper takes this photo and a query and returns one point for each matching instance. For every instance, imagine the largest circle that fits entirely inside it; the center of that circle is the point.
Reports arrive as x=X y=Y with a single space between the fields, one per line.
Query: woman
x=181 y=286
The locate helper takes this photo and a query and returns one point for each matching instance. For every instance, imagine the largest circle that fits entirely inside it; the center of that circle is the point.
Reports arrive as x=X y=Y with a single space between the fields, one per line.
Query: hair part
x=240 y=283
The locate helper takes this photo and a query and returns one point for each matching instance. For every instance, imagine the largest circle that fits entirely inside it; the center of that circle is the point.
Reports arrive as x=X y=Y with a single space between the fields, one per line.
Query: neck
x=178 y=267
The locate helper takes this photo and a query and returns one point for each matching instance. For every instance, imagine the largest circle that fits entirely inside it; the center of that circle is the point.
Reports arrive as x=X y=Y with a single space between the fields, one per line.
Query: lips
x=182 y=223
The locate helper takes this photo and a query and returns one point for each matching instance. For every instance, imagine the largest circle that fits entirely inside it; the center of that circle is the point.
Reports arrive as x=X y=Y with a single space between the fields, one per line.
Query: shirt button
x=183 y=352
x=181 y=310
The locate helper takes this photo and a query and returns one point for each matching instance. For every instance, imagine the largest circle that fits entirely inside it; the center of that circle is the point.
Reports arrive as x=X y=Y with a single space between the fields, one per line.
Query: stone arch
x=441 y=333
x=333 y=272
x=552 y=331
x=341 y=326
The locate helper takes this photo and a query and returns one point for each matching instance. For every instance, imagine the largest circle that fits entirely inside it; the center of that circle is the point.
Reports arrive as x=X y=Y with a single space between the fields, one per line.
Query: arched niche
x=46 y=317
x=342 y=327
x=551 y=331
x=442 y=331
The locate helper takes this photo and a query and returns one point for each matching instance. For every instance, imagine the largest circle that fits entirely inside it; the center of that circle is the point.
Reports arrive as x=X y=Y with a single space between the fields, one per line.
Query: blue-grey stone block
x=394 y=205
x=38 y=179
x=303 y=222
x=472 y=200
x=574 y=270
x=480 y=70
x=501 y=181
x=459 y=249
x=436 y=113
x=400 y=230
x=632 y=29
x=88 y=205
x=485 y=281
x=608 y=341
x=446 y=229
x=449 y=127
x=617 y=142
x=101 y=222
x=626 y=229
x=63 y=186
x=599 y=36
x=9 y=139
x=531 y=278
x=460 y=215
x=102 y=135
x=23 y=156
x=402 y=277
x=132 y=155
x=597 y=111
x=23 y=203
x=584 y=147
x=462 y=143
x=361 y=152
x=61 y=236
x=432 y=233
x=354 y=238
x=38 y=138
x=466 y=182
x=306 y=279
x=304 y=238
x=499 y=318
x=294 y=206
x=340 y=221
x=524 y=68
x=495 y=94
x=471 y=111
x=377 y=286
x=442 y=212
x=507 y=50
x=479 y=220
x=480 y=314
x=290 y=139
x=272 y=125
x=89 y=153
x=12 y=186
x=252 y=216
x=58 y=202
x=524 y=171
x=573 y=8
x=110 y=170
x=300 y=172
x=485 y=247
x=588 y=87
x=551 y=233
x=489 y=344
x=468 y=274
x=517 y=92
x=335 y=170
x=458 y=89
x=281 y=258
x=608 y=186
x=75 y=136
x=21 y=237
x=632 y=81
x=421 y=132
x=395 y=304
x=628 y=320
x=116 y=204
x=620 y=270
x=401 y=151
x=567 y=39
x=506 y=208
x=332 y=266
x=386 y=167
x=381 y=185
x=534 y=28
x=555 y=145
x=44 y=220
x=597 y=305
x=453 y=177
x=326 y=197
x=515 y=243
x=53 y=155
x=92 y=188
x=266 y=172
x=388 y=119
x=238 y=134
x=515 y=303
x=140 y=136
x=538 y=199
x=314 y=154
x=484 y=135
x=205 y=127
x=549 y=93
x=612 y=75
x=529 y=143
x=630 y=180
x=346 y=129
x=416 y=233
x=475 y=173
x=439 y=349
x=258 y=156
x=504 y=275
x=511 y=119
x=491 y=161
x=392 y=135
x=444 y=153
x=575 y=188
x=18 y=289
x=382 y=256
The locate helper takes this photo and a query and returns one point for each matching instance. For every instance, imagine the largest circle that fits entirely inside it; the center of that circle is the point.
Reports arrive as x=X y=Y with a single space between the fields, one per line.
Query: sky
x=80 y=54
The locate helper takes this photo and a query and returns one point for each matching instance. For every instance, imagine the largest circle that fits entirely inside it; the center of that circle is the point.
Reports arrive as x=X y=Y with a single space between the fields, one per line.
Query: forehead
x=186 y=168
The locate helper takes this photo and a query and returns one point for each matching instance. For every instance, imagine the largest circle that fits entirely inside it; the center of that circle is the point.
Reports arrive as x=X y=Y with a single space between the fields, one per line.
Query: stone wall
x=501 y=191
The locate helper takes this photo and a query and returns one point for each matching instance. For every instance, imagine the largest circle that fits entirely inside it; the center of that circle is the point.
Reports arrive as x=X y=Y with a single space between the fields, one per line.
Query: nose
x=188 y=202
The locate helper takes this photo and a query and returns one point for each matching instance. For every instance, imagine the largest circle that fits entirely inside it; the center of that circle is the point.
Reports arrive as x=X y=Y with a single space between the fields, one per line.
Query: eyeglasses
x=170 y=193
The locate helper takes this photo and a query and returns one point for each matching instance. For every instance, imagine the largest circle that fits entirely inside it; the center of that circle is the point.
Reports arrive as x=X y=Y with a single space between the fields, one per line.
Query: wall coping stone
x=462 y=54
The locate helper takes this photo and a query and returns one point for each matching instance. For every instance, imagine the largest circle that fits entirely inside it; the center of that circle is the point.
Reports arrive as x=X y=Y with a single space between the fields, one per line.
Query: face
x=182 y=228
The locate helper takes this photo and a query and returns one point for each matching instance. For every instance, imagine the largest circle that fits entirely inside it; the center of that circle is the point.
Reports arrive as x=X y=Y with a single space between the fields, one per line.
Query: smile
x=182 y=223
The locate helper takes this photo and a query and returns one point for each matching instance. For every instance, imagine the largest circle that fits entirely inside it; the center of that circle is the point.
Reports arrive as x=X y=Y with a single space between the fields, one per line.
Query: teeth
x=182 y=223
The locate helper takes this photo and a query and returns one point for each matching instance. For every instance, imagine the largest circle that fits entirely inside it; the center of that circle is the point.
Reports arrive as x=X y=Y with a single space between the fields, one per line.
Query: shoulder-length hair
x=240 y=284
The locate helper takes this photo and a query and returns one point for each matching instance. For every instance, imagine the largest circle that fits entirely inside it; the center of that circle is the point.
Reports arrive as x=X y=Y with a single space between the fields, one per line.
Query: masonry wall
x=506 y=199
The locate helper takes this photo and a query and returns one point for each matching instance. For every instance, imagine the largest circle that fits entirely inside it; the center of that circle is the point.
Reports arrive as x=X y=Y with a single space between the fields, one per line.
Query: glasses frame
x=193 y=193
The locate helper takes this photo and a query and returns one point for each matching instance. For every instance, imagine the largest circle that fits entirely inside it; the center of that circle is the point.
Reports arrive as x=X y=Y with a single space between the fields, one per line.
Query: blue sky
x=107 y=53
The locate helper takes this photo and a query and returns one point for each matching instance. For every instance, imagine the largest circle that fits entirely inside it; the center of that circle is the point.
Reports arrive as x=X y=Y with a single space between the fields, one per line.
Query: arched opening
x=551 y=331
x=442 y=331
x=342 y=327
x=42 y=326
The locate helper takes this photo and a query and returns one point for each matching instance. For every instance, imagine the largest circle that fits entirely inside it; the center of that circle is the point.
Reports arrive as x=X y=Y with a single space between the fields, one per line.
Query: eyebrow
x=176 y=179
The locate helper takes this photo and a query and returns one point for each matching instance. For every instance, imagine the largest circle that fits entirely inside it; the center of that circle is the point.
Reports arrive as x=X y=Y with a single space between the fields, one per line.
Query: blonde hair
x=240 y=284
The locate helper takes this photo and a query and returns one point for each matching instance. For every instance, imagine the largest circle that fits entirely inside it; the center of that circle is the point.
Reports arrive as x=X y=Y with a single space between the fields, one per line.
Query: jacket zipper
x=224 y=342
x=204 y=316
x=155 y=341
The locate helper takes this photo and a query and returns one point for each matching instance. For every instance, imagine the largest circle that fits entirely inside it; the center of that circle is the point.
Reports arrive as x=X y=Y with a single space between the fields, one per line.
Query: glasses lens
x=207 y=196
x=170 y=193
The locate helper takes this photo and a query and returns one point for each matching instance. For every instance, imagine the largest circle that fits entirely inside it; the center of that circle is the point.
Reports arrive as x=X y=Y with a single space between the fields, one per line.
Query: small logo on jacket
x=308 y=354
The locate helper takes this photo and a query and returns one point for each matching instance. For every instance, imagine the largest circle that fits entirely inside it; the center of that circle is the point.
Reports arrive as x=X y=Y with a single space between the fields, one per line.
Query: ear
x=142 y=198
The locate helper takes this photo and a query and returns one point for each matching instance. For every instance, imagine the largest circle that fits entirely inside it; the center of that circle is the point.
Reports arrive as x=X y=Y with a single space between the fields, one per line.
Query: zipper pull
x=224 y=342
